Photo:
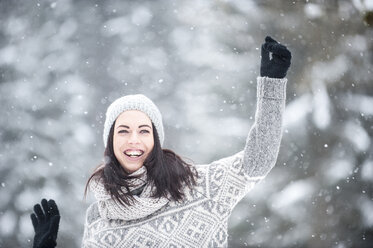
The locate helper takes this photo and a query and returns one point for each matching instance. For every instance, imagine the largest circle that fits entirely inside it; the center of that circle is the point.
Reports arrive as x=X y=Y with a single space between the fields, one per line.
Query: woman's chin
x=131 y=167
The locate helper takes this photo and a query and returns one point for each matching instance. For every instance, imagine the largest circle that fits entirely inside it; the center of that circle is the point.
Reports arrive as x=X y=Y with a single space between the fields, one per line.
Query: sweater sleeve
x=229 y=179
x=92 y=215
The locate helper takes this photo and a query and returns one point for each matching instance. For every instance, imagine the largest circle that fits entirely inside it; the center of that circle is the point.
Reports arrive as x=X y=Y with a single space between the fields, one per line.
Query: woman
x=149 y=197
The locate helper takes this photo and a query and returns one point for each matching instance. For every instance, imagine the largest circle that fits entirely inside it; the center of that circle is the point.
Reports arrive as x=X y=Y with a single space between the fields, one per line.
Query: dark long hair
x=166 y=170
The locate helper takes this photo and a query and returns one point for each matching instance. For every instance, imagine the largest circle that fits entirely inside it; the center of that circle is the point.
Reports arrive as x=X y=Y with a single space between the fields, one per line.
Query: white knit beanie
x=133 y=102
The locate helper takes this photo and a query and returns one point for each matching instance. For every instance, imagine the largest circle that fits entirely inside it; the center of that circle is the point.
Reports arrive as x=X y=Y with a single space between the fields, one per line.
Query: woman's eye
x=123 y=131
x=144 y=131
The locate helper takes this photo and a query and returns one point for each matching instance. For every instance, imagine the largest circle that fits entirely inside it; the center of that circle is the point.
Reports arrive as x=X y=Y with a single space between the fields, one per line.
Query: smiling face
x=133 y=139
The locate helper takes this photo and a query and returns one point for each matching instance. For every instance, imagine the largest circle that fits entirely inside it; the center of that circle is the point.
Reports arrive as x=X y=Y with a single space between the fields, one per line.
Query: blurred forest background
x=62 y=63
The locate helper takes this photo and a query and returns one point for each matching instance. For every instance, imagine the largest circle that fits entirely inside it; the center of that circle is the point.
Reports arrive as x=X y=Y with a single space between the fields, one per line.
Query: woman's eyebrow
x=141 y=126
x=145 y=126
x=123 y=126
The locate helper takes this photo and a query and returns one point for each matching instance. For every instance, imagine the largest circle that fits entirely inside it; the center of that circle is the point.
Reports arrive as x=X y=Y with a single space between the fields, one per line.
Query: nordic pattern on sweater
x=201 y=219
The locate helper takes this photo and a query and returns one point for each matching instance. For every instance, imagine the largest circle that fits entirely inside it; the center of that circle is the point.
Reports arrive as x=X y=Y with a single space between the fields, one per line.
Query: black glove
x=45 y=224
x=278 y=65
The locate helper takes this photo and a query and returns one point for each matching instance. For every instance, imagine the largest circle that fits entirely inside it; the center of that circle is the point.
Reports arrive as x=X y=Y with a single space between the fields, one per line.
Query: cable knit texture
x=201 y=219
x=112 y=209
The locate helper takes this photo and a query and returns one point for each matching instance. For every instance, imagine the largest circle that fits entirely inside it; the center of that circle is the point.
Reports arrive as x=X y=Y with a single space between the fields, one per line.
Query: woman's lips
x=133 y=151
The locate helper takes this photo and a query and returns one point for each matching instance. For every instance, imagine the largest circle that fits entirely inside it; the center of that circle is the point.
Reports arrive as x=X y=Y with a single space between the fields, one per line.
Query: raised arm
x=231 y=178
x=263 y=141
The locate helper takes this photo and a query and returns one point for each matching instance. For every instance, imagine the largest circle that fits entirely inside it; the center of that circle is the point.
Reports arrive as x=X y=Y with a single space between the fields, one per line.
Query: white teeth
x=134 y=153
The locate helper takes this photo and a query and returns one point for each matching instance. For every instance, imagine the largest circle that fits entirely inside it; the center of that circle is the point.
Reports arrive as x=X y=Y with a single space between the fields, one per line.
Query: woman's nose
x=133 y=138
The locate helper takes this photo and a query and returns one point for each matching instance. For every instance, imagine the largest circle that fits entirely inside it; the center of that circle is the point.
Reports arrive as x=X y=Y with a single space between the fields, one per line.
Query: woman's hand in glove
x=278 y=65
x=45 y=224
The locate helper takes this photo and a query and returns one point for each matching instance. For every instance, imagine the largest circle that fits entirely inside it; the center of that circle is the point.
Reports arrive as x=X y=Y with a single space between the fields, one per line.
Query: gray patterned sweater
x=201 y=219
